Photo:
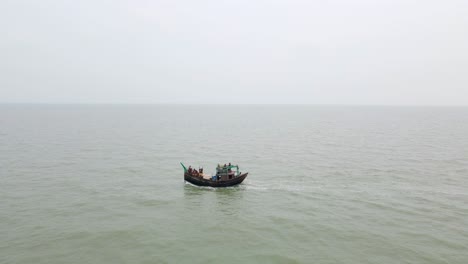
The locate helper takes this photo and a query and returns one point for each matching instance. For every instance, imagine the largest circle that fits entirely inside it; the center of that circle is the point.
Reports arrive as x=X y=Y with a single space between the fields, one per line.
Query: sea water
x=326 y=184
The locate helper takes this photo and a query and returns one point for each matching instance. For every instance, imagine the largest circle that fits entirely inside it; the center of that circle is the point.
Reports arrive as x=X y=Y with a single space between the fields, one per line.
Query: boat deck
x=206 y=176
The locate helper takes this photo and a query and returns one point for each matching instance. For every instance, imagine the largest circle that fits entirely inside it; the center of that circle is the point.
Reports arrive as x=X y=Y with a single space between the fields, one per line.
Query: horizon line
x=219 y=104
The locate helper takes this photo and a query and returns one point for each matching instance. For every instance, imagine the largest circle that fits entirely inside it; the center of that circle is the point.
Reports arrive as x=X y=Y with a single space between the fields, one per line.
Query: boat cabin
x=226 y=172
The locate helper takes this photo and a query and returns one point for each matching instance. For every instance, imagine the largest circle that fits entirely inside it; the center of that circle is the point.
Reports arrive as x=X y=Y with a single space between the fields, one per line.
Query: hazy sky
x=240 y=51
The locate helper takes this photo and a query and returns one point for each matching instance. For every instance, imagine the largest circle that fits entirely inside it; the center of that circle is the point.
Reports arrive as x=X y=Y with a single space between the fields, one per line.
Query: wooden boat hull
x=205 y=182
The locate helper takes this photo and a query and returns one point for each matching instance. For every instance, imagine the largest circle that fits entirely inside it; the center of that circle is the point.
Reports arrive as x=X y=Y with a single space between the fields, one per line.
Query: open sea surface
x=326 y=184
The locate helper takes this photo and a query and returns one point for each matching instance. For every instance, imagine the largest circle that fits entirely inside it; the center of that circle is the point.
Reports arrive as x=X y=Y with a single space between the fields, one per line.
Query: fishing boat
x=227 y=175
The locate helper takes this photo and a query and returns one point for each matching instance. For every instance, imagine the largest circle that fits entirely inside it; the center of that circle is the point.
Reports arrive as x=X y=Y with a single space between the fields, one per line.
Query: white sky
x=380 y=52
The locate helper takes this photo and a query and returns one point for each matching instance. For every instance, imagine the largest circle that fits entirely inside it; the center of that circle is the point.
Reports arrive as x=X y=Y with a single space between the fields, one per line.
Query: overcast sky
x=380 y=52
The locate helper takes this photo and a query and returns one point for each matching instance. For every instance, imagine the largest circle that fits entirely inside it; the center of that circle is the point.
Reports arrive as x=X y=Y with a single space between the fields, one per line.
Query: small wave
x=151 y=202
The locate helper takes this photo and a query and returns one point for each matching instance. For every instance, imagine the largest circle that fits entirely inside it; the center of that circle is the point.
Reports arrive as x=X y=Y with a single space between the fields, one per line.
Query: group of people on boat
x=228 y=167
x=225 y=169
x=195 y=172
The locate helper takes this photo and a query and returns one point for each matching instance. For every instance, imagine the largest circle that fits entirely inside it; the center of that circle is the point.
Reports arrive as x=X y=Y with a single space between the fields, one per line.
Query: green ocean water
x=326 y=184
